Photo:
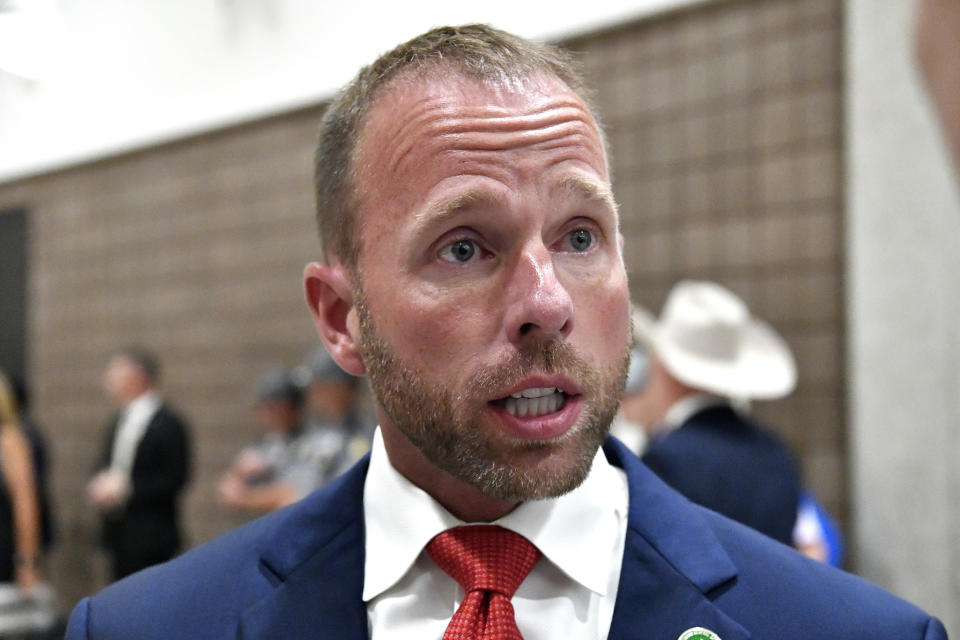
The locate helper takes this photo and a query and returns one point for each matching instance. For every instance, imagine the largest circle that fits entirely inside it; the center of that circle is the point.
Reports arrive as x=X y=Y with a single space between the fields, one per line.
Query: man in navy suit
x=474 y=274
x=708 y=355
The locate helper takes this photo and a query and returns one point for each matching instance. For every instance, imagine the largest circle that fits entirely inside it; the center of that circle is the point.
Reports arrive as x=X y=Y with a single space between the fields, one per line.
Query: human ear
x=330 y=298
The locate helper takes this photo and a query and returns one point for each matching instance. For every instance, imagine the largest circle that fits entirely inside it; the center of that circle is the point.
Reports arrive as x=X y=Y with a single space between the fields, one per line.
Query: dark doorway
x=13 y=292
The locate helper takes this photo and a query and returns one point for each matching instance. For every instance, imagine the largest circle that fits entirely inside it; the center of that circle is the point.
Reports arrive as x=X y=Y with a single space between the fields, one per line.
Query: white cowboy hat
x=707 y=339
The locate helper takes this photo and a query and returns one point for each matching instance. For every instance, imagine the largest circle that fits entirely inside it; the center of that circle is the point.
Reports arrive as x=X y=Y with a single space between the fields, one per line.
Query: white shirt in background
x=133 y=424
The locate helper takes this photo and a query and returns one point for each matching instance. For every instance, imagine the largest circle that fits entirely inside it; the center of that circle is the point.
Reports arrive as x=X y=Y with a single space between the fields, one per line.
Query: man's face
x=491 y=294
x=329 y=400
x=277 y=415
x=123 y=380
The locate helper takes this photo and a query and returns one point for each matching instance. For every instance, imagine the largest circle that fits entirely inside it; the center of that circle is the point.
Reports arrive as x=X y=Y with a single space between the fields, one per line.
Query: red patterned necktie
x=489 y=562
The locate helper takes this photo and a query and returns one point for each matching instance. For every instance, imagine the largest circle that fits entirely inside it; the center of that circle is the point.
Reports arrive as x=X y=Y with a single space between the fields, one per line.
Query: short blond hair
x=473 y=50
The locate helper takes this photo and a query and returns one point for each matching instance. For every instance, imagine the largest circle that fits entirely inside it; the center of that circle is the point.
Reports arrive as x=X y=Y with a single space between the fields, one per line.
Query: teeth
x=536 y=392
x=523 y=407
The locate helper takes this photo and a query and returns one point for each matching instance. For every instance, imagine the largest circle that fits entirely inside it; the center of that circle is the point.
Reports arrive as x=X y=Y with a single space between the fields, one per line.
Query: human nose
x=541 y=307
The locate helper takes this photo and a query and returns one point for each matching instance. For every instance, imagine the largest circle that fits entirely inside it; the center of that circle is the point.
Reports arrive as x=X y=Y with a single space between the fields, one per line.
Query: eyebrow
x=590 y=190
x=440 y=211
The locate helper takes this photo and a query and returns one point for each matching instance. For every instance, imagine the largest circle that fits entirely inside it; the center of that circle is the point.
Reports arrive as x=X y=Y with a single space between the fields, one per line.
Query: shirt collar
x=689 y=405
x=146 y=404
x=401 y=519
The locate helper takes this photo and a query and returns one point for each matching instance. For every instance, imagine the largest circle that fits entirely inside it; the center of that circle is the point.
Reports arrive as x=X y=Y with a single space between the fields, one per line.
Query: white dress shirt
x=570 y=593
x=133 y=424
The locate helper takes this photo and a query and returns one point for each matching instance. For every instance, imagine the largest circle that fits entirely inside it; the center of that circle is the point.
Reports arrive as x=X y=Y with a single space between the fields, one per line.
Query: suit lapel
x=317 y=572
x=141 y=453
x=673 y=565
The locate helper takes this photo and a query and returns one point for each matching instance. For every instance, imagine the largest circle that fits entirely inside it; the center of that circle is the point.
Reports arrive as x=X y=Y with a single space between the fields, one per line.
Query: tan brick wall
x=725 y=123
x=195 y=249
x=726 y=131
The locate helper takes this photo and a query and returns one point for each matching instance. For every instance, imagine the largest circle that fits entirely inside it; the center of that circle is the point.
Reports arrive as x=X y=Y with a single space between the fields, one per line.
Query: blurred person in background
x=143 y=468
x=41 y=461
x=28 y=608
x=334 y=405
x=815 y=533
x=290 y=459
x=630 y=424
x=708 y=356
x=636 y=413
x=20 y=530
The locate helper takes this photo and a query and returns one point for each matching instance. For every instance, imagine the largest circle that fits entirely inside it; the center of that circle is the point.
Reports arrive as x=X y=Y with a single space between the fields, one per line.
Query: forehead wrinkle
x=447 y=127
x=420 y=116
x=511 y=132
x=493 y=117
x=553 y=137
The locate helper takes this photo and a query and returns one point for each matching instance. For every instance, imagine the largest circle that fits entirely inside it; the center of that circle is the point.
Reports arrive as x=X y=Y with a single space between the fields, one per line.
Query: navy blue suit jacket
x=298 y=573
x=726 y=462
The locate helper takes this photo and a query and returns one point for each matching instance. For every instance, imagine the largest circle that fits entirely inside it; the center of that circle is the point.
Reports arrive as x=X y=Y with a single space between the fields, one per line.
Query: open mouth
x=534 y=402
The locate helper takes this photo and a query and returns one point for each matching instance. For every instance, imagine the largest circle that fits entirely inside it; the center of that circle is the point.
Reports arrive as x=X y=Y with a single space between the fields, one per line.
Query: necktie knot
x=483 y=557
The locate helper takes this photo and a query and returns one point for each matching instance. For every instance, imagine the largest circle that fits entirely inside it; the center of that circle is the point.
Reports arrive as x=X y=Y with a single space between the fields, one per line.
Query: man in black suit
x=709 y=356
x=144 y=467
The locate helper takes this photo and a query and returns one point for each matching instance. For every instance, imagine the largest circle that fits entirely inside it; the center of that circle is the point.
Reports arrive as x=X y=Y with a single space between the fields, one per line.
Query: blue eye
x=580 y=239
x=459 y=251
